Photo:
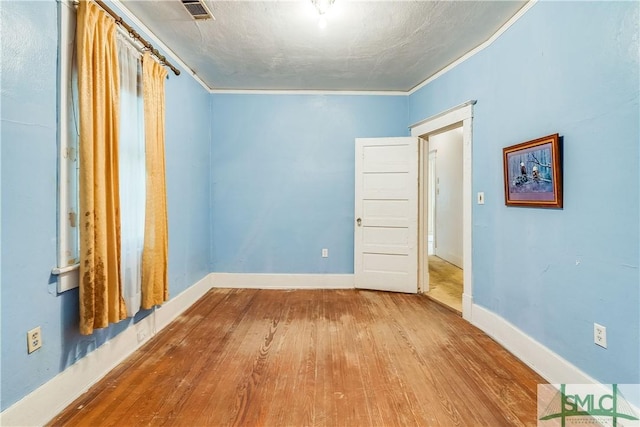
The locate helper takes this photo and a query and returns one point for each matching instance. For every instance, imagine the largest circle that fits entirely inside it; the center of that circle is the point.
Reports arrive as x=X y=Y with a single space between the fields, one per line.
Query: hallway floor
x=445 y=283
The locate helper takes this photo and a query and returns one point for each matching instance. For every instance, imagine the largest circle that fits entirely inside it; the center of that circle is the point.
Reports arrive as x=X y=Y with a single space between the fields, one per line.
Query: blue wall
x=572 y=68
x=29 y=173
x=283 y=178
x=188 y=147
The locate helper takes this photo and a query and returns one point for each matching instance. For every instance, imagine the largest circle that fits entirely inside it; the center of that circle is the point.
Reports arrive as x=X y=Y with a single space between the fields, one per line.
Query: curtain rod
x=133 y=33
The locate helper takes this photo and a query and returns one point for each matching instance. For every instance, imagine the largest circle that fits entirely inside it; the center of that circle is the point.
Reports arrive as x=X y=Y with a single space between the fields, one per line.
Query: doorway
x=460 y=117
x=390 y=238
x=443 y=193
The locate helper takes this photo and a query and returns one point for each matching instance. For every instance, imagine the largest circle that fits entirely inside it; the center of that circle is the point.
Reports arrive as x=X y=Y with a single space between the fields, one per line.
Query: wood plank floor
x=313 y=358
x=445 y=283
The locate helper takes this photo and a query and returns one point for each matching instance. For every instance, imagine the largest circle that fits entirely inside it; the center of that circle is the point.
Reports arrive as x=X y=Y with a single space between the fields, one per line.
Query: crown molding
x=478 y=49
x=308 y=92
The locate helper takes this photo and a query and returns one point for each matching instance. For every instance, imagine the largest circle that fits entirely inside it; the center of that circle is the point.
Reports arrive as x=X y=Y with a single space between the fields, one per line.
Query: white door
x=386 y=212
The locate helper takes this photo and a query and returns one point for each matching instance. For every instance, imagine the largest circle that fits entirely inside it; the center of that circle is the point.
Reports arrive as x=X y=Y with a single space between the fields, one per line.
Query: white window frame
x=68 y=265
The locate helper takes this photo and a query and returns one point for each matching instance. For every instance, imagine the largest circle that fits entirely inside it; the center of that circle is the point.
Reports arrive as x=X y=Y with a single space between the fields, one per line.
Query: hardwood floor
x=445 y=283
x=313 y=358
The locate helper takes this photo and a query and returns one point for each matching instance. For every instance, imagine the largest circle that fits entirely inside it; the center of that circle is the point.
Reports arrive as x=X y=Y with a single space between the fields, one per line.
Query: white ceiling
x=366 y=46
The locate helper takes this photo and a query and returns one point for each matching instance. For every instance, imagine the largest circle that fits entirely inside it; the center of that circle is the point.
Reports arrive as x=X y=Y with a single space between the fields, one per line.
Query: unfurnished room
x=319 y=213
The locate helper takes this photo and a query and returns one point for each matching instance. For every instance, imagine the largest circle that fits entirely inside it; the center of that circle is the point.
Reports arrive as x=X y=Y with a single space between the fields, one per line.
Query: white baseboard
x=56 y=394
x=545 y=362
x=282 y=281
x=467 y=307
x=167 y=312
x=550 y=366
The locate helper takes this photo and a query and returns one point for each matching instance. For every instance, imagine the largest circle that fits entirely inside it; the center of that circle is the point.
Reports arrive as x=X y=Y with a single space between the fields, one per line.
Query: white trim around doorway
x=462 y=113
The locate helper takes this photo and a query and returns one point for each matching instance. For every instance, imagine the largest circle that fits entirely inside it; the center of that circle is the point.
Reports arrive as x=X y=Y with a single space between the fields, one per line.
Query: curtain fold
x=101 y=299
x=155 y=252
x=132 y=173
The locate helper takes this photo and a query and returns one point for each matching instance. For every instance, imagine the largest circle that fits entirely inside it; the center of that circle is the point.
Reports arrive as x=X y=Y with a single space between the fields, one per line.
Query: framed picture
x=532 y=173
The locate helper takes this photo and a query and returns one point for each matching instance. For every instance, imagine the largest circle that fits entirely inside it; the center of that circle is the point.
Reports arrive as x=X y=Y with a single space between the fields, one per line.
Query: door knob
x=359 y=222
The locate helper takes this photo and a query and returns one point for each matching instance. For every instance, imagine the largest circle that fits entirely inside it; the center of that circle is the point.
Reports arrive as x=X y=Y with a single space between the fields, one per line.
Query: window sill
x=67 y=277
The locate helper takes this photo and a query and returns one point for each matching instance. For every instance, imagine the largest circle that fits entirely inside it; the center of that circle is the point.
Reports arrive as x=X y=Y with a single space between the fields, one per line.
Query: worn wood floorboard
x=313 y=358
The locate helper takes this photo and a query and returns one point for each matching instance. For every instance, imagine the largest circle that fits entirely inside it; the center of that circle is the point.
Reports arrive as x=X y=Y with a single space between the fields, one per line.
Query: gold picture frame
x=533 y=173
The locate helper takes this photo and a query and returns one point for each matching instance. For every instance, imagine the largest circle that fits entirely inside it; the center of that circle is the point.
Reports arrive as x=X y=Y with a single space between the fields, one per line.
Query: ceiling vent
x=198 y=9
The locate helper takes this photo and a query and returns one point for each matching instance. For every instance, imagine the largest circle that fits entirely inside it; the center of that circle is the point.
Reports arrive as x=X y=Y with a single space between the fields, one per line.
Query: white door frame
x=451 y=118
x=431 y=186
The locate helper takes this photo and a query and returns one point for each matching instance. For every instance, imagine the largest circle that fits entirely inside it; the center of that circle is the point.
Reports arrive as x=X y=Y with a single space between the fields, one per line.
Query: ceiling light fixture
x=322 y=7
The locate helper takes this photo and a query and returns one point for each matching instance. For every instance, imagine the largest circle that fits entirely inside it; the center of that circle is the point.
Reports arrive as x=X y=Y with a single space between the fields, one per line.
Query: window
x=131 y=161
x=132 y=170
x=68 y=256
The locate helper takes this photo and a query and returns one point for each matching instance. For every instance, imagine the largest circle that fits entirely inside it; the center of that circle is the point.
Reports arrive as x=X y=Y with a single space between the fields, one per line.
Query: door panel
x=386 y=246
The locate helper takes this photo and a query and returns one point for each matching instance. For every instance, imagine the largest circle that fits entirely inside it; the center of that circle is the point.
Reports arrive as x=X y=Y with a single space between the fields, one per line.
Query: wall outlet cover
x=34 y=339
x=600 y=335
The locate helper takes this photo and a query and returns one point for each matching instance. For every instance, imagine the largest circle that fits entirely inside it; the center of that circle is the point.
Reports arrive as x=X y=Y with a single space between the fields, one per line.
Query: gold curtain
x=101 y=299
x=155 y=250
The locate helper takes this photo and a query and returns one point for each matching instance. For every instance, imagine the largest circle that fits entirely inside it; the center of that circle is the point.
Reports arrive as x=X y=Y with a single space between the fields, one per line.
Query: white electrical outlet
x=34 y=339
x=325 y=253
x=600 y=335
